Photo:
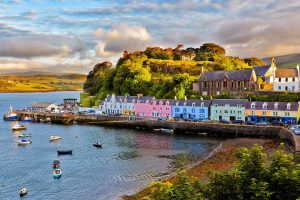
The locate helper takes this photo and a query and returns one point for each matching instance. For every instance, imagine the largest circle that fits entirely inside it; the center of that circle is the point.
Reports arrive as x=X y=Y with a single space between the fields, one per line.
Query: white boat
x=23 y=192
x=54 y=138
x=57 y=173
x=24 y=142
x=165 y=130
x=26 y=119
x=18 y=127
x=24 y=135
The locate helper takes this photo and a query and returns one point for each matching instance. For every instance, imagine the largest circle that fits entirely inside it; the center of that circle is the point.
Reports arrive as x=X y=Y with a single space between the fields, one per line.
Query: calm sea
x=128 y=160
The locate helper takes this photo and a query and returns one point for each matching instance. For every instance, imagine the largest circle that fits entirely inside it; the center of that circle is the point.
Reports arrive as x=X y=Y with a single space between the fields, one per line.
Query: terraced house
x=191 y=109
x=119 y=104
x=228 y=109
x=162 y=108
x=258 y=111
x=143 y=106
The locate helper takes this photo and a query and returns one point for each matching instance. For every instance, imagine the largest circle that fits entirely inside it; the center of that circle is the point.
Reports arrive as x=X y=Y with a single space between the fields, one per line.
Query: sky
x=71 y=36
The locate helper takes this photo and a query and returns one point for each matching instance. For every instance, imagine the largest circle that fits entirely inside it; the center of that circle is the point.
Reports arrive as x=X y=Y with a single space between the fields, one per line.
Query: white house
x=119 y=104
x=286 y=80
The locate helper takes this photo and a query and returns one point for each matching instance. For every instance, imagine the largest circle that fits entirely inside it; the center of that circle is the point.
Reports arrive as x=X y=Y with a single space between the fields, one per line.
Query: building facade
x=44 y=107
x=162 y=108
x=228 y=109
x=122 y=105
x=266 y=72
x=219 y=82
x=191 y=109
x=143 y=106
x=258 y=111
x=286 y=80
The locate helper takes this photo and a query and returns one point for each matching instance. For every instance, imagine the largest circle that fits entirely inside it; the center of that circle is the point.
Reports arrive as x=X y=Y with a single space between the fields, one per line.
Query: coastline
x=221 y=159
x=37 y=91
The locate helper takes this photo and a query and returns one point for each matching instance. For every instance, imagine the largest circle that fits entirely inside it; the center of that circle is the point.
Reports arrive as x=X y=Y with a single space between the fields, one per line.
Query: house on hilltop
x=286 y=80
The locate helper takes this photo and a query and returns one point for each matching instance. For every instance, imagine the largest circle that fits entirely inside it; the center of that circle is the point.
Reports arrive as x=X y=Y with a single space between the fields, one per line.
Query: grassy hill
x=41 y=82
x=285 y=61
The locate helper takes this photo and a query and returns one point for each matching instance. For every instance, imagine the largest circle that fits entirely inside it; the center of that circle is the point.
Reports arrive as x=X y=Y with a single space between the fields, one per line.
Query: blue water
x=128 y=160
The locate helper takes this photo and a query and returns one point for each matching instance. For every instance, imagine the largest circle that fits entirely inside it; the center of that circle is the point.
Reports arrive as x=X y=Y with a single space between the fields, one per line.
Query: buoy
x=23 y=192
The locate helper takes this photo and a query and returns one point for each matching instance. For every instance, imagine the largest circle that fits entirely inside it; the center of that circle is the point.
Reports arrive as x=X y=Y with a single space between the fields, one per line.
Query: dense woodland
x=255 y=176
x=163 y=73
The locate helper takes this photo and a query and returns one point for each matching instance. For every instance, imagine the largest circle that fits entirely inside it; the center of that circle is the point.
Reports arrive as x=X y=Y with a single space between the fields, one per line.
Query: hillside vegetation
x=285 y=61
x=41 y=83
x=163 y=73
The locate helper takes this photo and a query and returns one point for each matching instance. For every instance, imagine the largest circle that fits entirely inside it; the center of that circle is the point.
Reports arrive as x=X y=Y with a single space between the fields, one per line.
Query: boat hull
x=64 y=152
x=97 y=145
x=10 y=118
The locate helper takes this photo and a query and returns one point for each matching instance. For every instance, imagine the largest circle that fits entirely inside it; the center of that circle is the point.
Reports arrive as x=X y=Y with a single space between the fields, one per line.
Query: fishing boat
x=24 y=142
x=24 y=135
x=57 y=173
x=54 y=138
x=18 y=127
x=26 y=119
x=10 y=115
x=97 y=144
x=23 y=192
x=56 y=164
x=64 y=152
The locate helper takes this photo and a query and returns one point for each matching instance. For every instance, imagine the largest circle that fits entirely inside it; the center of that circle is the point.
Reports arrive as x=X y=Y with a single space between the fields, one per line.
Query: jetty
x=211 y=129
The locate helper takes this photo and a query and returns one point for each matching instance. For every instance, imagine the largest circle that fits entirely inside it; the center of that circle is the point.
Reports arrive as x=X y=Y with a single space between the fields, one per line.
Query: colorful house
x=143 y=106
x=162 y=108
x=191 y=109
x=259 y=111
x=228 y=109
x=124 y=105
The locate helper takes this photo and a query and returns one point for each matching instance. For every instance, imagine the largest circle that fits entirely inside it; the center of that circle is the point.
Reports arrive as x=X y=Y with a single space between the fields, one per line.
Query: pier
x=179 y=127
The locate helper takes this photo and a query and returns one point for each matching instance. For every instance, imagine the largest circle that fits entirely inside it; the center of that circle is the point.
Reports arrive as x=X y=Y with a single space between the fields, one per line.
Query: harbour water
x=128 y=160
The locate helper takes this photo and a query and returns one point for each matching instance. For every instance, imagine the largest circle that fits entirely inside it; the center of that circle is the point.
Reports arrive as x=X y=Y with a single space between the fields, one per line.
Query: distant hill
x=41 y=73
x=285 y=61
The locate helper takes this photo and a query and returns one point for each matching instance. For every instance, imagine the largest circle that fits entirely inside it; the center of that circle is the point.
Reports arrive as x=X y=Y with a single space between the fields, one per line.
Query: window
x=275 y=113
x=293 y=79
x=264 y=106
x=226 y=111
x=279 y=87
x=218 y=84
x=202 y=104
x=286 y=79
x=215 y=105
x=225 y=84
x=287 y=113
x=176 y=109
x=193 y=110
x=293 y=88
x=205 y=84
x=193 y=104
x=202 y=111
x=252 y=105
x=184 y=110
x=204 y=93
x=264 y=113
x=288 y=106
x=286 y=88
x=239 y=112
x=279 y=80
x=253 y=112
x=276 y=106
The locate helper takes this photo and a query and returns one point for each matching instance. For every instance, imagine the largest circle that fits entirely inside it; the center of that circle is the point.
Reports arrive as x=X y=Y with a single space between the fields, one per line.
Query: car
x=262 y=124
x=294 y=127
x=297 y=131
x=204 y=120
x=277 y=123
x=238 y=121
x=223 y=121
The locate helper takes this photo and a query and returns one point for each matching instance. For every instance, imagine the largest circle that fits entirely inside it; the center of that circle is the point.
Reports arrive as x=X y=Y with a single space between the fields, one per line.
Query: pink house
x=162 y=108
x=143 y=106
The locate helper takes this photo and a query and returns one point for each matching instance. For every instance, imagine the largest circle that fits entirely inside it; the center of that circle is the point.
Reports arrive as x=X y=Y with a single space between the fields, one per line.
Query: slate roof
x=271 y=106
x=230 y=102
x=261 y=70
x=122 y=98
x=286 y=73
x=164 y=101
x=143 y=99
x=232 y=75
x=189 y=102
x=41 y=105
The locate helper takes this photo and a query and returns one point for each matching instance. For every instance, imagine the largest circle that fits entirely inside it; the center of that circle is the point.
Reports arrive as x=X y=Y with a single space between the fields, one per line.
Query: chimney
x=185 y=98
x=175 y=98
x=139 y=96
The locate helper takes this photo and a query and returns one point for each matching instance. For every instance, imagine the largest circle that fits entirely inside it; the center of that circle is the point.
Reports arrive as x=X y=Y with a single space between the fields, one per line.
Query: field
x=41 y=83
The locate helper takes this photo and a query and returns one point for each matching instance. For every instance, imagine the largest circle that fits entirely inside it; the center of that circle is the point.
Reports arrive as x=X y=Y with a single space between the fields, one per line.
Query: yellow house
x=285 y=112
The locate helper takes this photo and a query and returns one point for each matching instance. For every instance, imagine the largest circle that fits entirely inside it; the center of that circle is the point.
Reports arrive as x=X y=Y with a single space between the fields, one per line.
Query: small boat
x=64 y=152
x=24 y=135
x=97 y=144
x=57 y=173
x=10 y=115
x=23 y=192
x=165 y=130
x=54 y=138
x=56 y=164
x=24 y=142
x=26 y=119
x=156 y=130
x=18 y=127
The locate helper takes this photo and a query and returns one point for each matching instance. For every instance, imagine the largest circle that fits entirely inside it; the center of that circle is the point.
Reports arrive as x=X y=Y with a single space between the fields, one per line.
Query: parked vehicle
x=297 y=131
x=262 y=124
x=294 y=127
x=238 y=121
x=223 y=121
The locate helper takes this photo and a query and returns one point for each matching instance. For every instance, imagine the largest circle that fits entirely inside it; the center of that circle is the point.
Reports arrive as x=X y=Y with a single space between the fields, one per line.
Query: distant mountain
x=43 y=73
x=285 y=61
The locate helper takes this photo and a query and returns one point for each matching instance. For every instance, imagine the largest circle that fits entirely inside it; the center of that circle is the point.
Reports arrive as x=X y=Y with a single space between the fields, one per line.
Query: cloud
x=120 y=38
x=41 y=45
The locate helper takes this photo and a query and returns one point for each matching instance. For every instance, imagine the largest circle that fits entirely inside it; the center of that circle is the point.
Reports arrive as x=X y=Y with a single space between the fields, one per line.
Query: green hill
x=285 y=61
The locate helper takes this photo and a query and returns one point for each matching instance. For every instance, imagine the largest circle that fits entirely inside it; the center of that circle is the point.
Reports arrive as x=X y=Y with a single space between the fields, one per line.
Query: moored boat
x=10 y=115
x=56 y=164
x=54 y=138
x=97 y=144
x=26 y=119
x=24 y=135
x=64 y=152
x=165 y=130
x=24 y=142
x=18 y=127
x=57 y=173
x=23 y=192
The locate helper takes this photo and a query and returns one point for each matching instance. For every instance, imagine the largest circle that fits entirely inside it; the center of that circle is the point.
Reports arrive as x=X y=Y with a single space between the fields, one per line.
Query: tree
x=208 y=51
x=253 y=61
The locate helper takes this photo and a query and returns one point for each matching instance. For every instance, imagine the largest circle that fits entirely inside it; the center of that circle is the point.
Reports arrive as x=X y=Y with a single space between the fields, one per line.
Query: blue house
x=191 y=109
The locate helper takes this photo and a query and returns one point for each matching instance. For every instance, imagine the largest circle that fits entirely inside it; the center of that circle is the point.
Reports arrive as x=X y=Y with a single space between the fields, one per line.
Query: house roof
x=271 y=105
x=230 y=102
x=232 y=75
x=261 y=70
x=41 y=105
x=286 y=73
x=189 y=102
x=129 y=99
x=164 y=101
x=143 y=99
